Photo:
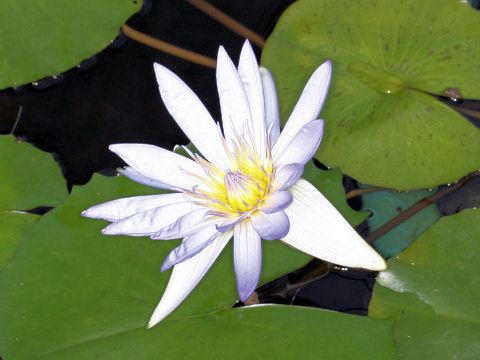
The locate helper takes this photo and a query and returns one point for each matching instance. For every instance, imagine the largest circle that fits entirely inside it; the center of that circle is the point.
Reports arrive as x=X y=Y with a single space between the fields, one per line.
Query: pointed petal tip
x=160 y=70
x=380 y=264
x=221 y=52
x=244 y=295
x=152 y=323
x=116 y=148
x=247 y=48
x=167 y=264
x=109 y=231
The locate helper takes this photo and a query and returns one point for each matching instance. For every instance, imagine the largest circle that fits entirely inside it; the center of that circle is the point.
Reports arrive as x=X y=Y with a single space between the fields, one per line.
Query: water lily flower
x=247 y=183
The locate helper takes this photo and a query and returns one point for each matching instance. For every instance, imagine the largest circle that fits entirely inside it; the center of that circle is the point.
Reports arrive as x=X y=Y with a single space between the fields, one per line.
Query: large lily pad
x=68 y=284
x=40 y=38
x=431 y=290
x=28 y=177
x=14 y=225
x=264 y=332
x=381 y=127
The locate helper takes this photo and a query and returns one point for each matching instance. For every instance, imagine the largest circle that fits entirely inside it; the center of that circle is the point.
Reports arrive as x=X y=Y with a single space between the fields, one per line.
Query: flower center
x=243 y=192
x=241 y=188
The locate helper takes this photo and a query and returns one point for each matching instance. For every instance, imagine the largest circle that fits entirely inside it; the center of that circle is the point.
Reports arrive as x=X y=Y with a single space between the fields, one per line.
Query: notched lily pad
x=28 y=177
x=15 y=225
x=431 y=290
x=382 y=128
x=98 y=285
x=40 y=38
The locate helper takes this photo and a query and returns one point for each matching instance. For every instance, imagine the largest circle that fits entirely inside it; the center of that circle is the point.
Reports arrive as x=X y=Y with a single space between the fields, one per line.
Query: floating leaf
x=28 y=177
x=387 y=204
x=382 y=128
x=40 y=38
x=431 y=290
x=265 y=332
x=14 y=225
x=68 y=283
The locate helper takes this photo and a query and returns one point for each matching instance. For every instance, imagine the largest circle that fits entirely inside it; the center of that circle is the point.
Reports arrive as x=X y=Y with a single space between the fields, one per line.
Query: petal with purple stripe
x=247 y=257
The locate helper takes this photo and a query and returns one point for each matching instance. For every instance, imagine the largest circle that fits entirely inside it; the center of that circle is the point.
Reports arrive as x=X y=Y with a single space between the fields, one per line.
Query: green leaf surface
x=14 y=226
x=431 y=290
x=266 y=332
x=28 y=177
x=40 y=38
x=387 y=204
x=68 y=284
x=330 y=184
x=381 y=128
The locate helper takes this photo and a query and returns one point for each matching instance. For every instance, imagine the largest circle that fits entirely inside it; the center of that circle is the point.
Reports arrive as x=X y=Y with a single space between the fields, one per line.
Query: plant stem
x=359 y=192
x=228 y=21
x=412 y=210
x=168 y=48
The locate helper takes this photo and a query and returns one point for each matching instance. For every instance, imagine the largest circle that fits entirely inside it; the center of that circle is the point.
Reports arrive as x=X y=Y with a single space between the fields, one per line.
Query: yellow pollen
x=238 y=190
x=242 y=191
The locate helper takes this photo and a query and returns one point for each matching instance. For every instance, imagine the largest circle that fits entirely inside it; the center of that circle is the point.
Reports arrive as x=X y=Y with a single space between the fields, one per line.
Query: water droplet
x=47 y=82
x=119 y=40
x=87 y=63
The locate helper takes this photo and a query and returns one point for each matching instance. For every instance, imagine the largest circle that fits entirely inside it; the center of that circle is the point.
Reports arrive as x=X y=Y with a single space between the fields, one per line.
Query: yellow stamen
x=240 y=189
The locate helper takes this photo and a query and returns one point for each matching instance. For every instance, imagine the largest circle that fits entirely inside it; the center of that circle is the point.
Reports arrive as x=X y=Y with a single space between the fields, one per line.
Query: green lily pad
x=330 y=184
x=28 y=177
x=431 y=291
x=68 y=283
x=387 y=204
x=14 y=225
x=265 y=332
x=381 y=128
x=40 y=38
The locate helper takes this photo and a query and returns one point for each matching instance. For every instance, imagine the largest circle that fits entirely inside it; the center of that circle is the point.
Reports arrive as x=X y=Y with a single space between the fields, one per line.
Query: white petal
x=186 y=275
x=247 y=257
x=192 y=116
x=272 y=116
x=303 y=145
x=233 y=100
x=184 y=225
x=149 y=222
x=134 y=175
x=252 y=82
x=121 y=208
x=287 y=175
x=159 y=164
x=308 y=106
x=277 y=201
x=318 y=229
x=190 y=246
x=270 y=226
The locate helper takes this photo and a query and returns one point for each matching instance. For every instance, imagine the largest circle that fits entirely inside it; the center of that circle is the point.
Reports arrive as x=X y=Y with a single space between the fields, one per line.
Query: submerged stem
x=412 y=210
x=359 y=192
x=228 y=21
x=169 y=48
